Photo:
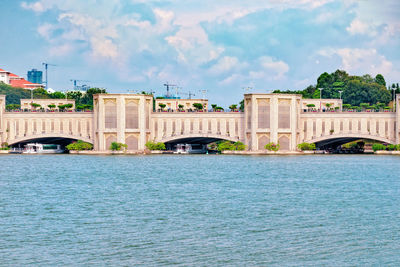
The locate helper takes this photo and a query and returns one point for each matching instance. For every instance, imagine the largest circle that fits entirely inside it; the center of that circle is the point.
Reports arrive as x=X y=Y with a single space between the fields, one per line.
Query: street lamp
x=394 y=98
x=320 y=99
x=340 y=97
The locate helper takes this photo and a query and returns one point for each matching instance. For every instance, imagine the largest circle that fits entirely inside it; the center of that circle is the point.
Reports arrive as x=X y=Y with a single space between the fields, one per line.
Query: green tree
x=115 y=146
x=79 y=145
x=379 y=79
x=162 y=106
x=241 y=105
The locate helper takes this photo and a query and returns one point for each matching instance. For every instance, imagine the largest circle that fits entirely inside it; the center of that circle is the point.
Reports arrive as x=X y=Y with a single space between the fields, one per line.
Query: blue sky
x=221 y=46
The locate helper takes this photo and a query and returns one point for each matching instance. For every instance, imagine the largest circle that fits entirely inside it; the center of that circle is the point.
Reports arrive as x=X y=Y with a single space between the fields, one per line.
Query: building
x=17 y=81
x=35 y=76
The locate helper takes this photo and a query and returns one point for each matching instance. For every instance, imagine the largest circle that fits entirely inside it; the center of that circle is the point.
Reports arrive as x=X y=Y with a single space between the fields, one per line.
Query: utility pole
x=45 y=67
x=168 y=85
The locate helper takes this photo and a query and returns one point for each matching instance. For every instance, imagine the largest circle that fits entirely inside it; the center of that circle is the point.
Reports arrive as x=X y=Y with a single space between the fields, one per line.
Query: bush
x=79 y=145
x=306 y=146
x=272 y=147
x=391 y=147
x=346 y=106
x=115 y=146
x=310 y=105
x=239 y=146
x=13 y=106
x=198 y=106
x=155 y=146
x=377 y=146
x=228 y=145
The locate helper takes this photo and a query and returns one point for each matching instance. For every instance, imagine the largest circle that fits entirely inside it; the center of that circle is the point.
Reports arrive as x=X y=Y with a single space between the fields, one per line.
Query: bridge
x=132 y=119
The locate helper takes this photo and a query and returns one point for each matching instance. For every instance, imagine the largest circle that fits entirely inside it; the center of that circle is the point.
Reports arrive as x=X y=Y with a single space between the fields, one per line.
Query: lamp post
x=320 y=99
x=340 y=97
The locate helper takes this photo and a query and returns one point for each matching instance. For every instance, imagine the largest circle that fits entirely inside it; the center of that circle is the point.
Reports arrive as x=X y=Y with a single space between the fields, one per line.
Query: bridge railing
x=348 y=111
x=47 y=111
x=196 y=111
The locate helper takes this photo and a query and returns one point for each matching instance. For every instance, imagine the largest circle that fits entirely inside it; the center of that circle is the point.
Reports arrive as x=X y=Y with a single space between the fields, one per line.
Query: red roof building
x=17 y=81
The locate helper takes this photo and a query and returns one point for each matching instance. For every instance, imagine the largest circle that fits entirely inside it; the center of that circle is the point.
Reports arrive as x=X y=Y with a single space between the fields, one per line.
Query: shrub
x=51 y=106
x=310 y=105
x=155 y=146
x=346 y=106
x=306 y=146
x=198 y=106
x=79 y=145
x=272 y=146
x=377 y=146
x=13 y=106
x=115 y=146
x=225 y=145
x=239 y=146
x=233 y=107
x=162 y=106
x=391 y=147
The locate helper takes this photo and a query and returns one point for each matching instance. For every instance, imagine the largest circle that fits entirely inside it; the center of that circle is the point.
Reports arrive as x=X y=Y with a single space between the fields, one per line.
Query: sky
x=220 y=46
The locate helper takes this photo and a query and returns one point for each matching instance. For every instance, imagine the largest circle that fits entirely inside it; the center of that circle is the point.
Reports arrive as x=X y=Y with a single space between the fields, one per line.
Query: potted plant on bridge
x=310 y=107
x=233 y=108
x=51 y=107
x=180 y=108
x=198 y=107
x=219 y=109
x=328 y=106
x=35 y=106
x=214 y=107
x=162 y=106
x=346 y=107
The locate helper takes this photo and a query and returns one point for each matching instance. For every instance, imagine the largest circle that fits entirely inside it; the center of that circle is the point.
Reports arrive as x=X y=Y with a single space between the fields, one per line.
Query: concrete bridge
x=130 y=119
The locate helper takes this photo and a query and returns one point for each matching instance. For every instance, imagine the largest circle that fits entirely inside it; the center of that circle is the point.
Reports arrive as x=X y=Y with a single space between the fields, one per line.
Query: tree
x=74 y=95
x=359 y=90
x=214 y=106
x=180 y=106
x=379 y=79
x=88 y=97
x=162 y=106
x=241 y=105
x=51 y=106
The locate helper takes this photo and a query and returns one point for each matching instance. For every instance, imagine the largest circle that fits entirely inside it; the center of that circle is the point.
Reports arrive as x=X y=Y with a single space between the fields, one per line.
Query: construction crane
x=45 y=68
x=190 y=94
x=168 y=85
x=203 y=92
x=72 y=80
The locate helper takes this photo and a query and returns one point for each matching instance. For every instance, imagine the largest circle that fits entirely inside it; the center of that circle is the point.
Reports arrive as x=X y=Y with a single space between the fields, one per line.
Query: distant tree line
x=355 y=89
x=14 y=95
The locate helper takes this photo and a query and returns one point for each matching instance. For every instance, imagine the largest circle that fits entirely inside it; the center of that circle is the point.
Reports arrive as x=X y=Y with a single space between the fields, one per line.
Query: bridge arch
x=32 y=138
x=340 y=139
x=198 y=138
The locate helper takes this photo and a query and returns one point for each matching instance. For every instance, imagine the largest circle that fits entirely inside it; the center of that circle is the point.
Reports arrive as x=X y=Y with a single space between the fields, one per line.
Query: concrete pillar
x=142 y=123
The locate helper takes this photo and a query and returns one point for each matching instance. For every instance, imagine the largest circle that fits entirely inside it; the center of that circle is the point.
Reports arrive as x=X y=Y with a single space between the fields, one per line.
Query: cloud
x=225 y=64
x=37 y=6
x=359 y=27
x=274 y=69
x=363 y=61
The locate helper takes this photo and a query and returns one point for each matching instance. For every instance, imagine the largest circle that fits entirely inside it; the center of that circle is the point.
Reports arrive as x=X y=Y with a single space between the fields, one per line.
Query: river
x=199 y=210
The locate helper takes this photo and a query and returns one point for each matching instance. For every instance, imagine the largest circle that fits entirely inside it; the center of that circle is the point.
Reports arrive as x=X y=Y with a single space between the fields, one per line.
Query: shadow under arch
x=63 y=139
x=340 y=139
x=197 y=139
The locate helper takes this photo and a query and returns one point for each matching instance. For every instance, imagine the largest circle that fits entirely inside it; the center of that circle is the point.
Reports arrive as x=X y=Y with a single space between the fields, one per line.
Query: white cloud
x=225 y=64
x=276 y=69
x=363 y=61
x=37 y=6
x=359 y=27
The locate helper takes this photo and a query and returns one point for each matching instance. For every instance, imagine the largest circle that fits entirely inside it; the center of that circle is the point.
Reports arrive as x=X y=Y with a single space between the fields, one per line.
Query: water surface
x=200 y=210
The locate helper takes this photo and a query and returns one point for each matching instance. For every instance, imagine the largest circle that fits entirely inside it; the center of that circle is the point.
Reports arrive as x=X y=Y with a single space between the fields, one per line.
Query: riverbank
x=226 y=152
